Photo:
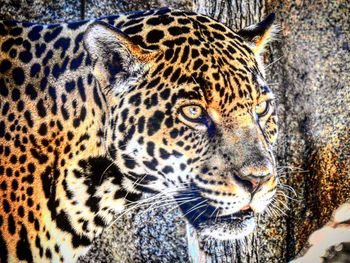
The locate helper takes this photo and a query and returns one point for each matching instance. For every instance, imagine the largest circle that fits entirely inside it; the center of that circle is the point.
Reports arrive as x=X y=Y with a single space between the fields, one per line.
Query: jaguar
x=97 y=114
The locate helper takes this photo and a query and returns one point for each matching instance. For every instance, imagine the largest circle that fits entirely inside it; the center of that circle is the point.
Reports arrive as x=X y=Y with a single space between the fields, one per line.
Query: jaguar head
x=190 y=115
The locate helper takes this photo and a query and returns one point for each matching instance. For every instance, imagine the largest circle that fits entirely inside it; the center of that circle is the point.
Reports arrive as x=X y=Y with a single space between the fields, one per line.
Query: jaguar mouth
x=237 y=217
x=208 y=222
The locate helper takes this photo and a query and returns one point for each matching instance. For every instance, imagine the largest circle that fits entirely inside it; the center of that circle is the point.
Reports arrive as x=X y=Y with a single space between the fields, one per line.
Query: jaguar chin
x=234 y=226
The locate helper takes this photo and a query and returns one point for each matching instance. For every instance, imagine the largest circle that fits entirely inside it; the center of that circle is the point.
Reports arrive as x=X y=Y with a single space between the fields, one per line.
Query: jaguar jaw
x=207 y=221
x=228 y=227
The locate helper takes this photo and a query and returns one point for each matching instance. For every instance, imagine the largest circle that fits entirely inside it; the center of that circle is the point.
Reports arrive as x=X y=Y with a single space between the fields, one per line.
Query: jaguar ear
x=114 y=55
x=260 y=34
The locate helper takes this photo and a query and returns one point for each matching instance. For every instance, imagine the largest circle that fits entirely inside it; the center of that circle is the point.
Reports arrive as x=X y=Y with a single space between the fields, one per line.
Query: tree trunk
x=314 y=91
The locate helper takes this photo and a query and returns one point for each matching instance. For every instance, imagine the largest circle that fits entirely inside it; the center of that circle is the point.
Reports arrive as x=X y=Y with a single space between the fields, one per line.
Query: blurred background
x=308 y=67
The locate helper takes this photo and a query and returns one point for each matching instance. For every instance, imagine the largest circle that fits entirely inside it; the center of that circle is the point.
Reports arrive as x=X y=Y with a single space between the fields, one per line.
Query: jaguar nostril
x=251 y=183
x=248 y=184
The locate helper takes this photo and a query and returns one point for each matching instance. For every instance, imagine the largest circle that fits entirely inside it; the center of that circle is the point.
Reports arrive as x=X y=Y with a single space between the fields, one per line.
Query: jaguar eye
x=262 y=108
x=192 y=112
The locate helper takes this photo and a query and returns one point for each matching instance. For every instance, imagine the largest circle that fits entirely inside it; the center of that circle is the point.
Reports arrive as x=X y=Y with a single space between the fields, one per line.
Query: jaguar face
x=235 y=177
x=193 y=121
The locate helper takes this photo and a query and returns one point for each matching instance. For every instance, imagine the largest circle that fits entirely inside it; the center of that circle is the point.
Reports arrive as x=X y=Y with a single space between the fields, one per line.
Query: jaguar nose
x=253 y=176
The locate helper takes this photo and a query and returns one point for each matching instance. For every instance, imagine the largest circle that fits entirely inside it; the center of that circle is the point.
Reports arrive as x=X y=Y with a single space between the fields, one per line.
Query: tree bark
x=314 y=91
x=234 y=13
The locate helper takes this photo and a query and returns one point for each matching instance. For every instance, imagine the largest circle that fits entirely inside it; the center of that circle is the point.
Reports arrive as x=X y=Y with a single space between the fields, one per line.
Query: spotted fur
x=93 y=114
